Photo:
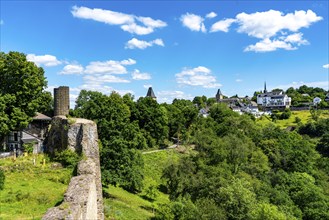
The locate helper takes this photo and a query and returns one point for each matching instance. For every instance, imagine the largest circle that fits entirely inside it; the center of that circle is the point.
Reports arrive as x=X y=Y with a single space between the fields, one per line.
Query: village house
x=35 y=134
x=273 y=100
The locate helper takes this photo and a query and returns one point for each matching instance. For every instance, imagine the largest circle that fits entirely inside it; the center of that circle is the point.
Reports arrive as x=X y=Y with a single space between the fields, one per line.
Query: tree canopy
x=22 y=84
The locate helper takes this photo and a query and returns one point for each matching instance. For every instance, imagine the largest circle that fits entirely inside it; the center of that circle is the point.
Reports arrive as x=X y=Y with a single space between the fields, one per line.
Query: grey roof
x=28 y=138
x=150 y=93
x=40 y=116
x=272 y=94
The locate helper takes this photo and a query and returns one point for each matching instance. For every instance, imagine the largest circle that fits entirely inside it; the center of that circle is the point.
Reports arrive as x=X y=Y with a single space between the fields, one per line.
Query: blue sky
x=182 y=49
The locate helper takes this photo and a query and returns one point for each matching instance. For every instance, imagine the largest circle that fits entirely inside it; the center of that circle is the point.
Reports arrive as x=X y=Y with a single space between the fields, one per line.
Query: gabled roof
x=150 y=93
x=40 y=116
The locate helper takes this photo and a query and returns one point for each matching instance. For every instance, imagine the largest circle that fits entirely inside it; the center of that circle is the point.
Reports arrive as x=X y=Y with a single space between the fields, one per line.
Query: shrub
x=2 y=179
x=67 y=158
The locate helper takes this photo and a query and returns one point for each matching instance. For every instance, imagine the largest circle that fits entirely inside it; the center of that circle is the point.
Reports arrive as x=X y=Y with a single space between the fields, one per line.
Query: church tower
x=150 y=93
x=219 y=95
x=265 y=90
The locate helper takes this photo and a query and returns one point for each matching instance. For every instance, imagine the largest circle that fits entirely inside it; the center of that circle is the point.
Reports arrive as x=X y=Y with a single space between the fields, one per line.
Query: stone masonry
x=83 y=198
x=61 y=100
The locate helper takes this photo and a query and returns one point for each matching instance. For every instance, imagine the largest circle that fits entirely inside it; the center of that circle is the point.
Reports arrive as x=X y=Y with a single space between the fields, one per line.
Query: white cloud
x=199 y=76
x=326 y=66
x=140 y=44
x=72 y=69
x=127 y=22
x=296 y=38
x=238 y=80
x=275 y=29
x=267 y=24
x=320 y=84
x=46 y=60
x=137 y=75
x=169 y=96
x=101 y=79
x=222 y=25
x=268 y=45
x=2 y=22
x=147 y=86
x=211 y=15
x=109 y=67
x=193 y=22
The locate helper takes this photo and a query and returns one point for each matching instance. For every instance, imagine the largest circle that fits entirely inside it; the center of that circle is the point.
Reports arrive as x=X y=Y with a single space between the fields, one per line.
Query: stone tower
x=61 y=100
x=219 y=95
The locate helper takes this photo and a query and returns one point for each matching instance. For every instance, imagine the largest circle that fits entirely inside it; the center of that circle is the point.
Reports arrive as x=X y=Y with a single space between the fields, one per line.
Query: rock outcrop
x=83 y=198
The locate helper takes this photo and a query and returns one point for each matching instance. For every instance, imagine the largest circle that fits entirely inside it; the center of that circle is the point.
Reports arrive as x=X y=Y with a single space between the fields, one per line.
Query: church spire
x=265 y=90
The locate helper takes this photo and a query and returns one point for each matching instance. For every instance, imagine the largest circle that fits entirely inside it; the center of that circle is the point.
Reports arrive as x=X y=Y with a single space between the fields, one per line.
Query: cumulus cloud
x=45 y=60
x=131 y=23
x=72 y=69
x=326 y=66
x=110 y=66
x=137 y=75
x=2 y=22
x=140 y=44
x=268 y=45
x=101 y=79
x=199 y=76
x=211 y=15
x=169 y=96
x=193 y=22
x=275 y=29
x=296 y=38
x=320 y=84
x=238 y=80
x=147 y=86
x=222 y=25
x=267 y=24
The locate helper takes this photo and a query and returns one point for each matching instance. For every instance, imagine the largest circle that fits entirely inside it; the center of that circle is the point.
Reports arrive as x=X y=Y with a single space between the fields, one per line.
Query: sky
x=182 y=49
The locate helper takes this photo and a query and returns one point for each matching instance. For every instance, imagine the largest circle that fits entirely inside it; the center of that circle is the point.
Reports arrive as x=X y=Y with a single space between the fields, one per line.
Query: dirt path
x=154 y=151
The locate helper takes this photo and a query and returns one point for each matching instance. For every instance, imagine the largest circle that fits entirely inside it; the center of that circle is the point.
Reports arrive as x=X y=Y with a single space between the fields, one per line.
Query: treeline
x=239 y=170
x=243 y=171
x=126 y=126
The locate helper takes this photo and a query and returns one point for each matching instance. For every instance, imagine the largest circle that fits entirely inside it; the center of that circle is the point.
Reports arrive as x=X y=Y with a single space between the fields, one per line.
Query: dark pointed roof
x=150 y=93
x=219 y=92
x=265 y=90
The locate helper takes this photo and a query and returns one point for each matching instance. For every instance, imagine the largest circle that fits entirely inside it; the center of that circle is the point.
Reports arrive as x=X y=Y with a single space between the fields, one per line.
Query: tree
x=121 y=163
x=21 y=88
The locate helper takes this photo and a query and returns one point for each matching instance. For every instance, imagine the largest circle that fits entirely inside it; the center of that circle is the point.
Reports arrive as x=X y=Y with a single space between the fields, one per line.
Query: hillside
x=29 y=190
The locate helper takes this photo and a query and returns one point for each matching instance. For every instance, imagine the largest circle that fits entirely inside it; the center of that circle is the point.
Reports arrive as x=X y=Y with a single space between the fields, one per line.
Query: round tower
x=61 y=100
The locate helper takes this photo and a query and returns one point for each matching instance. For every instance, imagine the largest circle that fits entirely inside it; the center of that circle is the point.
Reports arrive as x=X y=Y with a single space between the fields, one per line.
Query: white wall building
x=276 y=99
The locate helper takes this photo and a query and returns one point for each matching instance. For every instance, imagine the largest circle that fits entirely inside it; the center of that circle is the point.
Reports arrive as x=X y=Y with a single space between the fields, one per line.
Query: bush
x=2 y=179
x=67 y=158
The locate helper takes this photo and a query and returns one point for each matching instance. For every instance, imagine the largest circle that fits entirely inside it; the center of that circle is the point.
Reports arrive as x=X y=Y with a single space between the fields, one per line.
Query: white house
x=316 y=100
x=274 y=99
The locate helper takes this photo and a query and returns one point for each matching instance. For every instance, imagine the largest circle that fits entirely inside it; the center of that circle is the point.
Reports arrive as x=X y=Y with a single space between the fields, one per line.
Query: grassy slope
x=121 y=204
x=30 y=190
x=305 y=116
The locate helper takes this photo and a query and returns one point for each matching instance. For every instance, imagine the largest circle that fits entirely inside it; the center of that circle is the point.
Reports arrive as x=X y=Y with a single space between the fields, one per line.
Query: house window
x=15 y=136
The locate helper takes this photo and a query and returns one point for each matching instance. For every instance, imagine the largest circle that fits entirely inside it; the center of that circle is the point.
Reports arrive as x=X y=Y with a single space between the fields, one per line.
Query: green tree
x=21 y=88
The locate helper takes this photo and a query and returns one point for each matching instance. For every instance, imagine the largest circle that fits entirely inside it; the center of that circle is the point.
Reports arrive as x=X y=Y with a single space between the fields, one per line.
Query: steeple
x=219 y=95
x=265 y=90
x=150 y=93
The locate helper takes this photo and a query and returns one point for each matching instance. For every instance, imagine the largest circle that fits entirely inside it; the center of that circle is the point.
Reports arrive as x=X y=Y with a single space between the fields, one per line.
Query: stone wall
x=83 y=198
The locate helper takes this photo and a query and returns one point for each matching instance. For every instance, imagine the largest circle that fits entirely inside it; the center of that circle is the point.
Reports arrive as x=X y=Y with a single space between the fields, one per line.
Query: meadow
x=120 y=204
x=29 y=189
x=304 y=116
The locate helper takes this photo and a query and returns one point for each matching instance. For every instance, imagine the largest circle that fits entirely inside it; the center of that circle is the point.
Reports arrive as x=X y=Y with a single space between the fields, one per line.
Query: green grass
x=305 y=117
x=121 y=204
x=30 y=190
